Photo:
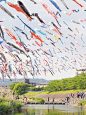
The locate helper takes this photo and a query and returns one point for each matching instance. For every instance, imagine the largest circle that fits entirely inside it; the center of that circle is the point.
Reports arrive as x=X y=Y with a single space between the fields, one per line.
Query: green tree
x=11 y=86
x=77 y=82
x=21 y=88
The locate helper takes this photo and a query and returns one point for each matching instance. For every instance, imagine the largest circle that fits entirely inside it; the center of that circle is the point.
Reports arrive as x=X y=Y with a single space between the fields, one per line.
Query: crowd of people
x=79 y=95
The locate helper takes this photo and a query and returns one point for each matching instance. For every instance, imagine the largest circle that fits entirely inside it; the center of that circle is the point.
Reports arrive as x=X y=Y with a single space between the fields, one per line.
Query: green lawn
x=34 y=93
x=67 y=91
x=56 y=92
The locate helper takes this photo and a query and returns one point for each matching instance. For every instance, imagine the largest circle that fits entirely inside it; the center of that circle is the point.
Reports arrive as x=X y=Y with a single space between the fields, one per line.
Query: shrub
x=18 y=106
x=3 y=99
x=7 y=106
x=36 y=89
x=40 y=100
x=32 y=98
x=2 y=108
x=82 y=103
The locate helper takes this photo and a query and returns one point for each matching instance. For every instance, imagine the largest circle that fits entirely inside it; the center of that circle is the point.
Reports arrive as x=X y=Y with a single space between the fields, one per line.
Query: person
x=81 y=95
x=78 y=94
x=53 y=101
x=73 y=96
x=85 y=95
x=68 y=99
x=48 y=99
x=23 y=98
x=26 y=100
x=18 y=97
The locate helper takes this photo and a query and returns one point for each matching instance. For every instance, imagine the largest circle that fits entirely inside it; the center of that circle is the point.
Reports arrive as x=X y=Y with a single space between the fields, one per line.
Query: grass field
x=34 y=93
x=67 y=91
x=56 y=92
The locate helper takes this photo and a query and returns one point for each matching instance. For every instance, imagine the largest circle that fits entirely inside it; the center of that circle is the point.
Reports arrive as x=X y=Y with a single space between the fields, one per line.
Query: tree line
x=77 y=82
x=21 y=88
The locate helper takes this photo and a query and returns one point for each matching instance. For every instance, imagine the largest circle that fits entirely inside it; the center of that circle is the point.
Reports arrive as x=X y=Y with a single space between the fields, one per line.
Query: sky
x=70 y=56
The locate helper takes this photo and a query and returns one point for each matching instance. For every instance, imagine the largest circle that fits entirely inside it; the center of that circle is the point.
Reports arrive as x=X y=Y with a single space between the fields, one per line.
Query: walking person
x=53 y=101
x=81 y=95
x=85 y=95
x=65 y=100
x=68 y=99
x=23 y=98
x=48 y=100
x=26 y=100
x=18 y=97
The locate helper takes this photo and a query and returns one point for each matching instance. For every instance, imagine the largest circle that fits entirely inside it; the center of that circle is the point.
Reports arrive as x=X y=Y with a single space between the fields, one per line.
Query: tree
x=20 y=88
x=11 y=86
x=77 y=82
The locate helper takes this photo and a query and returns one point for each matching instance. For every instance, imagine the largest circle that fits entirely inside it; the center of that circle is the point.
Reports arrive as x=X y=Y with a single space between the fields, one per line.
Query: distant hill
x=39 y=80
x=7 y=81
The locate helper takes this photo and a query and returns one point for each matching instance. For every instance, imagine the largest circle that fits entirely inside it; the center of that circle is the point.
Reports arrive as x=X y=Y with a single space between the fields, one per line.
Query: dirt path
x=60 y=98
x=57 y=96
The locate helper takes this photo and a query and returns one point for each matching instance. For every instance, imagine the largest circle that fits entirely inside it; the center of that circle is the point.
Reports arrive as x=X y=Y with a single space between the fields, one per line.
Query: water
x=52 y=110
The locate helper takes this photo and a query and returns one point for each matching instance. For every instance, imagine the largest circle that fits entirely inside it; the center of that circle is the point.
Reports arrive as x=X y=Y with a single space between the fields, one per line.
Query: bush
x=32 y=98
x=7 y=106
x=36 y=89
x=2 y=108
x=40 y=100
x=18 y=106
x=3 y=99
x=83 y=103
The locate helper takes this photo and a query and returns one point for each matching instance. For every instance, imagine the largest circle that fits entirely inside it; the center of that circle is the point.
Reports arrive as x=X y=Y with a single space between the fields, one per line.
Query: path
x=60 y=98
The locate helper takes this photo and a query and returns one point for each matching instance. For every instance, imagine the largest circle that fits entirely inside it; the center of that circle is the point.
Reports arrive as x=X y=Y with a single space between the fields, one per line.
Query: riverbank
x=58 y=98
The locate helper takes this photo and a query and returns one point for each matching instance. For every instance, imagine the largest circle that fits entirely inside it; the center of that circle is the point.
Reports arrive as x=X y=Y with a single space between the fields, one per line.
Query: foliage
x=20 y=88
x=77 y=82
x=17 y=105
x=34 y=93
x=36 y=89
x=19 y=113
x=3 y=100
x=39 y=100
x=32 y=98
x=83 y=103
x=7 y=106
x=11 y=86
x=67 y=91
